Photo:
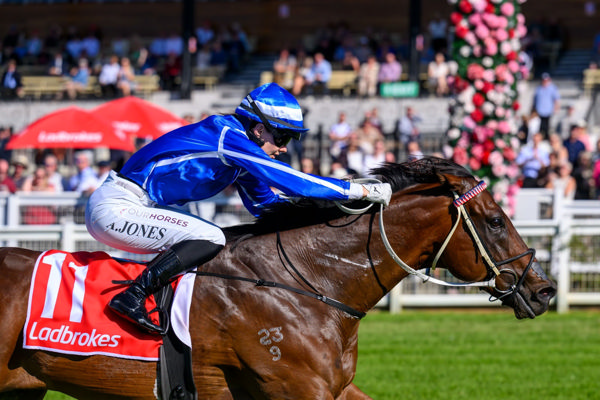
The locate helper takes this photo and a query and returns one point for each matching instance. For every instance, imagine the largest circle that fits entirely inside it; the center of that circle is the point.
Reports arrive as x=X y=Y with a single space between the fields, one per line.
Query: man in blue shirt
x=132 y=210
x=546 y=103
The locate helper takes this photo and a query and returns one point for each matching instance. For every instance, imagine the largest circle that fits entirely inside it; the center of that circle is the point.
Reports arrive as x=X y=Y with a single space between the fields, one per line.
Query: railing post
x=395 y=299
x=68 y=237
x=12 y=215
x=561 y=252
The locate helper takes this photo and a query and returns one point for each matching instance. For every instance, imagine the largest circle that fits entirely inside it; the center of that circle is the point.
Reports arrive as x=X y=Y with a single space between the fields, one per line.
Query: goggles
x=280 y=137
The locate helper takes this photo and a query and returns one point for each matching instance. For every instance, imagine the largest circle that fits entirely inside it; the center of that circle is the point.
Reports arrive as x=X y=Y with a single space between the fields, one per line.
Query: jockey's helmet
x=276 y=108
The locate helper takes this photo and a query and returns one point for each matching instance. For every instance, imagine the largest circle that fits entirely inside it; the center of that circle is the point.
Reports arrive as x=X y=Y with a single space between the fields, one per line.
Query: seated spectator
x=284 y=68
x=533 y=125
x=7 y=185
x=58 y=66
x=109 y=76
x=321 y=74
x=11 y=85
x=307 y=165
x=368 y=77
x=437 y=75
x=390 y=70
x=54 y=177
x=203 y=57
x=338 y=135
x=126 y=77
x=563 y=128
x=350 y=62
x=20 y=165
x=78 y=79
x=85 y=180
x=532 y=159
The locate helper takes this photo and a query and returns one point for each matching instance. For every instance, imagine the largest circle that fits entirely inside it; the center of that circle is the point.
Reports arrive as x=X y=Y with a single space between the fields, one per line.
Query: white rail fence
x=565 y=234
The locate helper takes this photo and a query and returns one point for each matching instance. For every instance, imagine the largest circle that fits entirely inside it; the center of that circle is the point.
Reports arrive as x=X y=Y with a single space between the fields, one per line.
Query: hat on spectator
x=545 y=75
x=581 y=123
x=21 y=160
x=103 y=163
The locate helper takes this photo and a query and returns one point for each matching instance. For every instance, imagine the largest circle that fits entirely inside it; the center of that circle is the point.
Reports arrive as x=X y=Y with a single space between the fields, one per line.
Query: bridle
x=494 y=267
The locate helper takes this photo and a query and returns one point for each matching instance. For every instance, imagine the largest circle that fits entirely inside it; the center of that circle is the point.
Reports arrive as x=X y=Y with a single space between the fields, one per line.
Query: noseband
x=493 y=266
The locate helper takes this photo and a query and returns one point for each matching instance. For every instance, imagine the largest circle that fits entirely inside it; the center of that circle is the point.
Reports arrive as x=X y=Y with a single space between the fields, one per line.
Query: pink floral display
x=483 y=123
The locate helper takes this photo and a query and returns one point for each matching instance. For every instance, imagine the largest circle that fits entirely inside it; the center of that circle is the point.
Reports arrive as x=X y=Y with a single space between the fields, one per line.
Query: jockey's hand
x=377 y=192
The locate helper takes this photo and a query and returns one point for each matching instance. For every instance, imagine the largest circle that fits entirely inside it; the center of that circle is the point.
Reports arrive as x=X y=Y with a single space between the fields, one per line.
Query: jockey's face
x=269 y=147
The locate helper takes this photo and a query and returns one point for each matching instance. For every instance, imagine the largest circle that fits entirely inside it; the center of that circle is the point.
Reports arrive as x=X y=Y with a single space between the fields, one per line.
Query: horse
x=276 y=314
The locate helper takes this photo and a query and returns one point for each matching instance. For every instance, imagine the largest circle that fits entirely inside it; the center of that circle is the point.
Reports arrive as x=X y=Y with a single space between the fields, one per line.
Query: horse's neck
x=351 y=264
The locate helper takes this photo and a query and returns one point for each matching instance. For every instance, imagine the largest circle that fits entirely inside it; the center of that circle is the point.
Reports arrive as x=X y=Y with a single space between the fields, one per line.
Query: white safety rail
x=566 y=236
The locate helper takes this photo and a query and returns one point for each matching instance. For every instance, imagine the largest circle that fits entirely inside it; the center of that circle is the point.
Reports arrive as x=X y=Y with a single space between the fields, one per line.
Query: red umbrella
x=70 y=127
x=139 y=117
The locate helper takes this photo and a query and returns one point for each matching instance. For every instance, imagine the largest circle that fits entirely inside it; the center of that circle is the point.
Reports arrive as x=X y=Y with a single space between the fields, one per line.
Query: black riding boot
x=180 y=258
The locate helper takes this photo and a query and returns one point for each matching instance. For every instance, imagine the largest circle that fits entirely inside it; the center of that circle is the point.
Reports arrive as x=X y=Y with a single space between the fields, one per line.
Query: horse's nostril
x=546 y=293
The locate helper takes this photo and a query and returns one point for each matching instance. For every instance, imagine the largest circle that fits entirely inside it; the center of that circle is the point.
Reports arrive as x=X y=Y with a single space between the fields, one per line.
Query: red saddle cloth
x=68 y=312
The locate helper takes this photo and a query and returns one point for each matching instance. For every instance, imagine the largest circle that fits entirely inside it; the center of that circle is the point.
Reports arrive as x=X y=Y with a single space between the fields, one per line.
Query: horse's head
x=488 y=247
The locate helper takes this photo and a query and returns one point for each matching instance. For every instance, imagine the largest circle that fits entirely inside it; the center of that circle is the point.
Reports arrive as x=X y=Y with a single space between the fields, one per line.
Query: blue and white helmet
x=278 y=107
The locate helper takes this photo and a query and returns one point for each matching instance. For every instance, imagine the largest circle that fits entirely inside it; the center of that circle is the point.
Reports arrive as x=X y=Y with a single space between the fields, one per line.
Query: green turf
x=470 y=355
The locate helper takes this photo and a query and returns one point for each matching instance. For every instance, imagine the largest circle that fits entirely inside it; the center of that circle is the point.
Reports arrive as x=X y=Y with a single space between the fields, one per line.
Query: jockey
x=133 y=209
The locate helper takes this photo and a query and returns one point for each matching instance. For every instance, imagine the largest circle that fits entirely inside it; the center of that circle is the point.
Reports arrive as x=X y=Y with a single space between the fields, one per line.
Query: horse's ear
x=455 y=183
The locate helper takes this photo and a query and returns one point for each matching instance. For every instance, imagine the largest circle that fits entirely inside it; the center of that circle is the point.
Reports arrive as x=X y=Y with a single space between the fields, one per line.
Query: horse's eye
x=496 y=222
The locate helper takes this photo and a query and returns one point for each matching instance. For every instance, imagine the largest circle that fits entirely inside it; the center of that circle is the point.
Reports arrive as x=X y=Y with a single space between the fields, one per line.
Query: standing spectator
x=38 y=182
x=414 y=151
x=78 y=79
x=104 y=168
x=321 y=71
x=408 y=127
x=390 y=70
x=437 y=31
x=562 y=179
x=352 y=158
x=20 y=165
x=205 y=33
x=284 y=68
x=126 y=77
x=546 y=101
x=11 y=81
x=368 y=77
x=563 y=128
x=85 y=180
x=438 y=71
x=304 y=76
x=533 y=125
x=368 y=134
x=54 y=177
x=109 y=76
x=574 y=145
x=532 y=160
x=583 y=175
x=5 y=135
x=338 y=135
x=7 y=185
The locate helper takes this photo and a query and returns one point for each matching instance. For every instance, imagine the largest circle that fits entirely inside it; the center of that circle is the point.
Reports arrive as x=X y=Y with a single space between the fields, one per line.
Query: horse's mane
x=309 y=212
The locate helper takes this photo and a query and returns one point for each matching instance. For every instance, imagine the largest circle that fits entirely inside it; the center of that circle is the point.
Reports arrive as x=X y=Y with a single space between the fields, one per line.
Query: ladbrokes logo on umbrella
x=64 y=136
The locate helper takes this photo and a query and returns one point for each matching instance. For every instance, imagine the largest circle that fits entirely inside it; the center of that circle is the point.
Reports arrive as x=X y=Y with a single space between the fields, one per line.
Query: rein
x=459 y=202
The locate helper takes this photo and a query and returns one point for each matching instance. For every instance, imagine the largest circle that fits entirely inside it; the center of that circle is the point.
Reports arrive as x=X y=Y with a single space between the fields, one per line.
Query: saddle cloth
x=68 y=312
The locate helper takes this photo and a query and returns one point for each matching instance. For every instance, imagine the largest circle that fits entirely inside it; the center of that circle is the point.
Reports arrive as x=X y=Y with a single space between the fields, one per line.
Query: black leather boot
x=181 y=257
x=131 y=302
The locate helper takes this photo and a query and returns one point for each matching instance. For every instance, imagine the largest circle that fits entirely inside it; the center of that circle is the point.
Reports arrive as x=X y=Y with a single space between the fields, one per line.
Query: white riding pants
x=120 y=214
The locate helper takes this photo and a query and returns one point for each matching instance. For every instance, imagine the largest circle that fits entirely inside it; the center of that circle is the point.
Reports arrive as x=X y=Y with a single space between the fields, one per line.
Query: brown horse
x=261 y=342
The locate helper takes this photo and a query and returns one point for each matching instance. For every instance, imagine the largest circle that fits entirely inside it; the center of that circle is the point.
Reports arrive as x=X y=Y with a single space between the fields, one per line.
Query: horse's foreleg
x=352 y=392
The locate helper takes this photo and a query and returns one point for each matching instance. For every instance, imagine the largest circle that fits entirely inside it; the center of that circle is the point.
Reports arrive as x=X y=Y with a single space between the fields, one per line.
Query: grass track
x=471 y=355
